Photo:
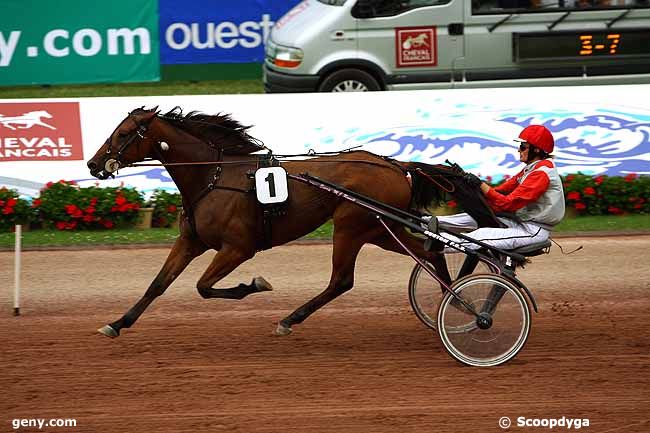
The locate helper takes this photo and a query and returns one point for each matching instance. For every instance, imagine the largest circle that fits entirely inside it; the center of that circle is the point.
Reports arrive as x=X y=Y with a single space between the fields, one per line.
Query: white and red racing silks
x=535 y=194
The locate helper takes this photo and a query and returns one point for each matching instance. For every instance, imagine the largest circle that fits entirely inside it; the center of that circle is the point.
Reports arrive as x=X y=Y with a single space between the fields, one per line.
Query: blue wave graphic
x=603 y=141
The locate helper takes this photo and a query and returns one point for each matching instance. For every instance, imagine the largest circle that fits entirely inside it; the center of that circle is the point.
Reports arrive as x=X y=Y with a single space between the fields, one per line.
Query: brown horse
x=210 y=159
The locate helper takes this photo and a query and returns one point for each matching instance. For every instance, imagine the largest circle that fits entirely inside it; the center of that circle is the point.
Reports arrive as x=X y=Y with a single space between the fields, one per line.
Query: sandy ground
x=364 y=363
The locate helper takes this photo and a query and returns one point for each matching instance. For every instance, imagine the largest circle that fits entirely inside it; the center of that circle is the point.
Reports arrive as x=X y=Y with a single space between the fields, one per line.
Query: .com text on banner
x=78 y=42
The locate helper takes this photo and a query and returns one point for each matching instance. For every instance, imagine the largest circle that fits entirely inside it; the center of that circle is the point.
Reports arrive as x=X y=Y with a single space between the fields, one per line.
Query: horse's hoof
x=108 y=331
x=282 y=330
x=262 y=285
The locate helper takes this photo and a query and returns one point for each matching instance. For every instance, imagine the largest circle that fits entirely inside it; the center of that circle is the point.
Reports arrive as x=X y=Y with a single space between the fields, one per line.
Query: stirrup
x=432 y=244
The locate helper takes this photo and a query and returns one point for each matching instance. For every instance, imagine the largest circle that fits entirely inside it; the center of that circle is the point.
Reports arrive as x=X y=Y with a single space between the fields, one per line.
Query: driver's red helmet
x=538 y=136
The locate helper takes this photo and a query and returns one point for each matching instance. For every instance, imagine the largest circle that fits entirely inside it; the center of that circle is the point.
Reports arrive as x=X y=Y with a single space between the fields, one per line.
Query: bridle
x=113 y=164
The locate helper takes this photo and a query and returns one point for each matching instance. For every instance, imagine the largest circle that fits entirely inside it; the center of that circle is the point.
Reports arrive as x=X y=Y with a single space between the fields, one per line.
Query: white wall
x=598 y=129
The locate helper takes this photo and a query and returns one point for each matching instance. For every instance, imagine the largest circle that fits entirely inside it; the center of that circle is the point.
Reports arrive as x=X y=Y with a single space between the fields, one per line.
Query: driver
x=532 y=200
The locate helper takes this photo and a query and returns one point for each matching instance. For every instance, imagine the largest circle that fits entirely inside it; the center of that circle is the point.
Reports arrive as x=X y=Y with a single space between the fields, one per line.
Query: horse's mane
x=220 y=131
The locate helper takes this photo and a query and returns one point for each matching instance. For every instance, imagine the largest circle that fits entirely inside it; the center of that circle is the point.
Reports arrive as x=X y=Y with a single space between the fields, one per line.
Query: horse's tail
x=432 y=184
x=424 y=194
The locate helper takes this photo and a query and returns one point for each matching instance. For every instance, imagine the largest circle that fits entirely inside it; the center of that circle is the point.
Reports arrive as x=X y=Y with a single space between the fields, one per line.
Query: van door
x=418 y=43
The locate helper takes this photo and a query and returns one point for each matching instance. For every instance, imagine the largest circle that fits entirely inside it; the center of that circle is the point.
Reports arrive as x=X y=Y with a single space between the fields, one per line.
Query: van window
x=387 y=8
x=523 y=6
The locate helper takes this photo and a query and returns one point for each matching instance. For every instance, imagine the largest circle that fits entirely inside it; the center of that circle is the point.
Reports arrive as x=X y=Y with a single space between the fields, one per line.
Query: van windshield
x=333 y=2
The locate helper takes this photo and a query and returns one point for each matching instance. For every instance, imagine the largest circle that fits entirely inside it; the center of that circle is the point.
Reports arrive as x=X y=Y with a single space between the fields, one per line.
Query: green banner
x=78 y=41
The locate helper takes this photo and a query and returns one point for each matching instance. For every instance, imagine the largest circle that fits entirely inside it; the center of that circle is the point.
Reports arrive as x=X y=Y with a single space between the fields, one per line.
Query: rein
x=451 y=188
x=165 y=164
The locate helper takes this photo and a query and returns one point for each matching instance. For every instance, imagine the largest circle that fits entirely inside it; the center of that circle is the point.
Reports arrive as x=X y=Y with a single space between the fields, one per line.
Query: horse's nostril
x=92 y=165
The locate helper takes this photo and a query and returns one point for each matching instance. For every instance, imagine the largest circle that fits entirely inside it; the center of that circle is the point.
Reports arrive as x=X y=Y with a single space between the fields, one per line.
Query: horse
x=27 y=120
x=211 y=159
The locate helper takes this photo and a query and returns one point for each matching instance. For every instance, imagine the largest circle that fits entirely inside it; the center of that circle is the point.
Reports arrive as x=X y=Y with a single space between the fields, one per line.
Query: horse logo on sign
x=27 y=120
x=416 y=42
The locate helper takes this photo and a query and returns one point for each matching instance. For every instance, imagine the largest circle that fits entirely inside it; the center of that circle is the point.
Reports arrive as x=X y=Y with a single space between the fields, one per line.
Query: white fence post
x=17 y=270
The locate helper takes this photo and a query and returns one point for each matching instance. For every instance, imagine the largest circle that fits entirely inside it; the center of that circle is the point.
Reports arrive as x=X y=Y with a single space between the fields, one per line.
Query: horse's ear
x=150 y=114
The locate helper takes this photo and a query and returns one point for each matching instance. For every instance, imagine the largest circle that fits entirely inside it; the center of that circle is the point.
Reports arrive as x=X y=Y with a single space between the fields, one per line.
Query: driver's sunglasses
x=523 y=147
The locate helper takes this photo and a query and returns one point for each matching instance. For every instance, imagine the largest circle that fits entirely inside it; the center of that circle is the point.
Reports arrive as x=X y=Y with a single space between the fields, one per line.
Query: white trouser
x=514 y=235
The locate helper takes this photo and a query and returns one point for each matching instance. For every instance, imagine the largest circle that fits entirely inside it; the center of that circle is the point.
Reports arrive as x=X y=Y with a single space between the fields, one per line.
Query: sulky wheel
x=499 y=329
x=425 y=293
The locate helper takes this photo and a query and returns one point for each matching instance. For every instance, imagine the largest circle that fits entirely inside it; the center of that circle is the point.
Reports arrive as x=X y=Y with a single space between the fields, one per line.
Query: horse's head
x=41 y=113
x=128 y=143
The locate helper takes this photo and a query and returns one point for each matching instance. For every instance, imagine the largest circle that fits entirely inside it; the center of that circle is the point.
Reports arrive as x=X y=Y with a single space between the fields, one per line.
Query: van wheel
x=349 y=80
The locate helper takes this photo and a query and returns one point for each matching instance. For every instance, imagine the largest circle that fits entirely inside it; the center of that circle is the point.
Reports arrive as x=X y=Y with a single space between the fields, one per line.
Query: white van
x=361 y=45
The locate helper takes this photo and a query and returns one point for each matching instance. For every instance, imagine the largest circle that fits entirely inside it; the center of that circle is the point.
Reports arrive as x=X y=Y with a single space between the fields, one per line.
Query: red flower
x=93 y=201
x=49 y=184
x=108 y=224
x=580 y=206
x=637 y=206
x=11 y=202
x=570 y=177
x=2 y=203
x=36 y=203
x=614 y=210
x=7 y=210
x=120 y=200
x=60 y=225
x=573 y=195
x=599 y=179
x=88 y=218
x=172 y=208
x=589 y=191
x=73 y=211
x=630 y=177
x=452 y=204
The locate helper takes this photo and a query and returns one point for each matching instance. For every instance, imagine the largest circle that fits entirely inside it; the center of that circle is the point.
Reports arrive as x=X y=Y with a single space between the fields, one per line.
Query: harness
x=266 y=212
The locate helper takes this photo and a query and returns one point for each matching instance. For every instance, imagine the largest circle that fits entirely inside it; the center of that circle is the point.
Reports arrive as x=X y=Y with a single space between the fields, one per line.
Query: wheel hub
x=484 y=321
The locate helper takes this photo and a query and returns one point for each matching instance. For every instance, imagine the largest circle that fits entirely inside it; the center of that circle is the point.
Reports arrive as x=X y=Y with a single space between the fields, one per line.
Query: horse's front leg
x=182 y=253
x=227 y=260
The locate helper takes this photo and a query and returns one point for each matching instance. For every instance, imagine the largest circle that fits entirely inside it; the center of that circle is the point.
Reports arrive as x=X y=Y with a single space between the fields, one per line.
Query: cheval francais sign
x=415 y=46
x=40 y=131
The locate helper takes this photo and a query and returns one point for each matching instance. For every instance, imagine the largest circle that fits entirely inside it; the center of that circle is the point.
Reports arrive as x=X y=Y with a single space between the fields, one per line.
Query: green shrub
x=607 y=195
x=165 y=207
x=14 y=210
x=65 y=206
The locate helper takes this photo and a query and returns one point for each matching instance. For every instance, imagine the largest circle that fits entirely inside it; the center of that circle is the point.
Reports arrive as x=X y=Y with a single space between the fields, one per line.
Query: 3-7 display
x=581 y=44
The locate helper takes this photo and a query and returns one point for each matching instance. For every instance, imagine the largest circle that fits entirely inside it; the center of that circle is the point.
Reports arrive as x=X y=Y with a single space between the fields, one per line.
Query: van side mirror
x=364 y=9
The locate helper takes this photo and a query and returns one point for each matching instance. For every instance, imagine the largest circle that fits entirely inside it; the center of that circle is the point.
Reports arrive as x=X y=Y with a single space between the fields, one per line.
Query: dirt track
x=362 y=364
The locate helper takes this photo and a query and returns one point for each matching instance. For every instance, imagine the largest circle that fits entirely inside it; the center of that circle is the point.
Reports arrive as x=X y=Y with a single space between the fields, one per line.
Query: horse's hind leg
x=346 y=250
x=182 y=253
x=226 y=260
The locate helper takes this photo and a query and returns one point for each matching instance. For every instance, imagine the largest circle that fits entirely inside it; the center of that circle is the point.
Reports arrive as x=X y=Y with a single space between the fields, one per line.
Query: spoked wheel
x=425 y=293
x=501 y=328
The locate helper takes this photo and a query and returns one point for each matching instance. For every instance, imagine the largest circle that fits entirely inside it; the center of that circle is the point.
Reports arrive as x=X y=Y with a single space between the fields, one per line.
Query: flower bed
x=13 y=210
x=63 y=205
x=165 y=206
x=600 y=195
